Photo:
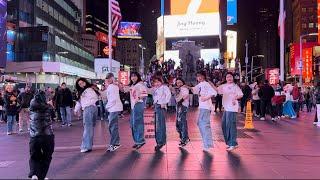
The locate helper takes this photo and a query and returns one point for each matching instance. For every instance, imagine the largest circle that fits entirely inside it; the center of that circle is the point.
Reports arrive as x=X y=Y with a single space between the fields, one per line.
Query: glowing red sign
x=104 y=38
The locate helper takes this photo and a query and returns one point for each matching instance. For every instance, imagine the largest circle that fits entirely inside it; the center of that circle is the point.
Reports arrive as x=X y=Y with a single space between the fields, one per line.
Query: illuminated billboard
x=182 y=7
x=3 y=30
x=232 y=12
x=205 y=24
x=231 y=47
x=209 y=54
x=129 y=30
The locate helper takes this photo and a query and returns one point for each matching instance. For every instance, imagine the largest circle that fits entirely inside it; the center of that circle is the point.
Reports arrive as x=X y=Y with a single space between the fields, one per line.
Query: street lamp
x=300 y=62
x=142 y=60
x=258 y=56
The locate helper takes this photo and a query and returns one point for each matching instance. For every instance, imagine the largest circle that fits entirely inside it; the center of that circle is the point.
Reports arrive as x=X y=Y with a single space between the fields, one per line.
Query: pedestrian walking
x=266 y=93
x=24 y=99
x=86 y=102
x=41 y=137
x=231 y=94
x=218 y=104
x=138 y=94
x=182 y=99
x=205 y=92
x=161 y=97
x=11 y=107
x=66 y=103
x=317 y=95
x=256 y=100
x=2 y=114
x=114 y=107
x=56 y=103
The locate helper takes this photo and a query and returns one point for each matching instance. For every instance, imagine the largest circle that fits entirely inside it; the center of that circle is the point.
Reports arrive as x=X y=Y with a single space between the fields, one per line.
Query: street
x=287 y=149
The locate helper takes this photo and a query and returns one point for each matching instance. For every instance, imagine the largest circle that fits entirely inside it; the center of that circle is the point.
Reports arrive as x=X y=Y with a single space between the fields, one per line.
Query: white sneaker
x=34 y=177
x=9 y=133
x=315 y=123
x=273 y=119
x=293 y=117
x=231 y=148
x=20 y=130
x=46 y=178
x=262 y=119
x=84 y=150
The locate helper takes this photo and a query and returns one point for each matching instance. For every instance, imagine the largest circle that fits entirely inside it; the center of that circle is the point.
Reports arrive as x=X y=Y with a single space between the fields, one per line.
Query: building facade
x=128 y=52
x=47 y=42
x=305 y=19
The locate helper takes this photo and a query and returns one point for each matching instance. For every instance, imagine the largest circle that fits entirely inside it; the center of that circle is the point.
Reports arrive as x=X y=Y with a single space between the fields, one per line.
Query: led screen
x=232 y=12
x=129 y=30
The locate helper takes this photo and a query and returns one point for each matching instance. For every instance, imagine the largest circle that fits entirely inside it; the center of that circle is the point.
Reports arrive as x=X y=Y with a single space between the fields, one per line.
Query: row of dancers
x=88 y=96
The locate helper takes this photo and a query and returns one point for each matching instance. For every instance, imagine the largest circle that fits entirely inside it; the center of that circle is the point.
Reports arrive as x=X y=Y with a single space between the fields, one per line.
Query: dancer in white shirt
x=205 y=92
x=138 y=94
x=87 y=103
x=161 y=97
x=182 y=98
x=114 y=107
x=231 y=93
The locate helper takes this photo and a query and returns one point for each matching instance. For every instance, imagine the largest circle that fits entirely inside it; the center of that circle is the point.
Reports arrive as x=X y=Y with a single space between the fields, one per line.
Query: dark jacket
x=266 y=92
x=24 y=99
x=64 y=98
x=246 y=90
x=10 y=103
x=40 y=116
x=317 y=94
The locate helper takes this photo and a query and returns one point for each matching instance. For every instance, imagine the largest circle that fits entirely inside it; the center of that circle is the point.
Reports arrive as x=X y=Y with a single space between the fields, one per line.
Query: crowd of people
x=38 y=109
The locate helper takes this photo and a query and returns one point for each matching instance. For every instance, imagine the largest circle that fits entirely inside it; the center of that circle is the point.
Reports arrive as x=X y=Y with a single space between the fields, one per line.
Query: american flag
x=115 y=16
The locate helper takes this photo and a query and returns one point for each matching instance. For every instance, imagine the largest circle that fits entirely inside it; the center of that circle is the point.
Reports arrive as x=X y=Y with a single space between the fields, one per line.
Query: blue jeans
x=137 y=123
x=10 y=122
x=205 y=128
x=114 y=128
x=160 y=125
x=181 y=123
x=89 y=121
x=229 y=128
x=66 y=114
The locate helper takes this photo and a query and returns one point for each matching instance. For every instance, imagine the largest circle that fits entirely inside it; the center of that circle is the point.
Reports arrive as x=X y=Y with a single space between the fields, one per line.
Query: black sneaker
x=184 y=143
x=63 y=124
x=135 y=146
x=158 y=147
x=139 y=145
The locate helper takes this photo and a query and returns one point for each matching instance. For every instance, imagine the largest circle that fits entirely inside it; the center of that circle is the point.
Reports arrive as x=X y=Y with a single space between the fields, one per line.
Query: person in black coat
x=41 y=136
x=65 y=101
x=266 y=92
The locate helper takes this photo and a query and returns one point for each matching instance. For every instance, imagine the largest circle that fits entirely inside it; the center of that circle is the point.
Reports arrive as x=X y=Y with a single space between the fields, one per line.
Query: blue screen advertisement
x=231 y=12
x=3 y=36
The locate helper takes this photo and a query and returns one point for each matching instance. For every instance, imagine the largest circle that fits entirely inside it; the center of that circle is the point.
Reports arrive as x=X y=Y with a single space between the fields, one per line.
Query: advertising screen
x=182 y=7
x=3 y=36
x=272 y=74
x=129 y=30
x=232 y=12
x=103 y=37
x=192 y=25
x=209 y=54
x=173 y=55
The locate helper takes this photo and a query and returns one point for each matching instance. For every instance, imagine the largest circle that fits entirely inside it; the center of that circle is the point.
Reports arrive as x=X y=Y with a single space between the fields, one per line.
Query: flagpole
x=282 y=40
x=110 y=35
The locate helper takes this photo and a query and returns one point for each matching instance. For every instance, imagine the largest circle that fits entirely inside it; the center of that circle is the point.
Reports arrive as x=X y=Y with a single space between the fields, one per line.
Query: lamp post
x=246 y=61
x=251 y=70
x=300 y=59
x=142 y=60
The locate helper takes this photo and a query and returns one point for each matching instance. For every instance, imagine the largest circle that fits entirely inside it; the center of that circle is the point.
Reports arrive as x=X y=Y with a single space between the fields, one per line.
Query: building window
x=304 y=10
x=311 y=25
x=310 y=9
x=304 y=25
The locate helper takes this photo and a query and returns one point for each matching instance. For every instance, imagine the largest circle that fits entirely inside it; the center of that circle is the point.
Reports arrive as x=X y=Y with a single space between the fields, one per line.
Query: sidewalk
x=285 y=149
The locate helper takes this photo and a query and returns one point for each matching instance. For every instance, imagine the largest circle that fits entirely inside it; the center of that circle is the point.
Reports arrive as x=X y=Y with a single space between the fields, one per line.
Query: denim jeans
x=90 y=114
x=137 y=123
x=114 y=128
x=66 y=114
x=229 y=128
x=205 y=128
x=10 y=122
x=160 y=125
x=181 y=123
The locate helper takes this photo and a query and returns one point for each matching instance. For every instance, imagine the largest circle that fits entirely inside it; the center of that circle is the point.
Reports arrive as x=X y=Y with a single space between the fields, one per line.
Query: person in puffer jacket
x=41 y=136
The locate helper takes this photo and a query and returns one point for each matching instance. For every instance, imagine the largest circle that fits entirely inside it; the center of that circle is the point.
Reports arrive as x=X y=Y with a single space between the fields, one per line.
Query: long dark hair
x=80 y=90
x=138 y=76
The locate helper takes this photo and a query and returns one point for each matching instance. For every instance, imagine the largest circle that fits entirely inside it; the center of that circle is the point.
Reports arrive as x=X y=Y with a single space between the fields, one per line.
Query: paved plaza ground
x=289 y=148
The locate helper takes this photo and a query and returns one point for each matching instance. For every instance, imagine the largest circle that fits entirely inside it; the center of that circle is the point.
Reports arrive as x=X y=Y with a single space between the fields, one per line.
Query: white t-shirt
x=114 y=103
x=161 y=95
x=137 y=93
x=229 y=92
x=204 y=89
x=184 y=93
